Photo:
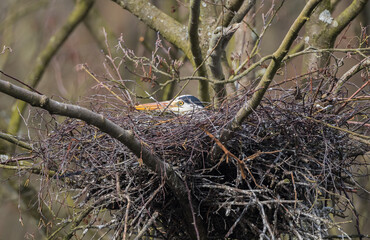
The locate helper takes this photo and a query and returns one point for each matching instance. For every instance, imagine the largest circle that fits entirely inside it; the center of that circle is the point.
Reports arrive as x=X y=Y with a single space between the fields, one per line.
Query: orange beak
x=153 y=106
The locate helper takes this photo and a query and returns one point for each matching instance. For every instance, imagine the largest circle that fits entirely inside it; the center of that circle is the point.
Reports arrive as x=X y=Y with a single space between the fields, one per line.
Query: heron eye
x=180 y=103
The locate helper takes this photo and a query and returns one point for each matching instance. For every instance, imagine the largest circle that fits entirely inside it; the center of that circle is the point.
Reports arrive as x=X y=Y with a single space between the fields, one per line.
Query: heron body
x=180 y=105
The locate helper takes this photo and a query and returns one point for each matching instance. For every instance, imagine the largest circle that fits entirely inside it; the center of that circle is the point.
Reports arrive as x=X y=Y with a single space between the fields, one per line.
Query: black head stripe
x=191 y=100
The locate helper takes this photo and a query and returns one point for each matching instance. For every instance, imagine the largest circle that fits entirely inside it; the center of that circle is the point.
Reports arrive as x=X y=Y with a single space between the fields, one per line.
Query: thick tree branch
x=274 y=65
x=219 y=40
x=196 y=50
x=323 y=31
x=232 y=9
x=243 y=11
x=81 y=9
x=169 y=28
x=347 y=16
x=126 y=137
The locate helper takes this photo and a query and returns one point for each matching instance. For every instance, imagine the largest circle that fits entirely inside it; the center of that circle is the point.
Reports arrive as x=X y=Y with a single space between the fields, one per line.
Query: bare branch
x=243 y=11
x=219 y=40
x=347 y=16
x=232 y=7
x=274 y=65
x=12 y=139
x=169 y=28
x=124 y=136
x=365 y=63
x=196 y=50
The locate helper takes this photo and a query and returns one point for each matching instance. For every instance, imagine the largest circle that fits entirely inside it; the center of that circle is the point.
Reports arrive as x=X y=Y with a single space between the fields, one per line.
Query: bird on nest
x=181 y=105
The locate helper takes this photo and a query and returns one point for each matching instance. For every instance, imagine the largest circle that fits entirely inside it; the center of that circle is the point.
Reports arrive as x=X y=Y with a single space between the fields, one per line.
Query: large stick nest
x=281 y=172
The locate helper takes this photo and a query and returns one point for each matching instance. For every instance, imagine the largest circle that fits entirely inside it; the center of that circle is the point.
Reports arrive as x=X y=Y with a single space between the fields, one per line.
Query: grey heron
x=180 y=105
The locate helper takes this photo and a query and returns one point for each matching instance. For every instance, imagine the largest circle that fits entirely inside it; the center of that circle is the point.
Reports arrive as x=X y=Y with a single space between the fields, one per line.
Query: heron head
x=182 y=104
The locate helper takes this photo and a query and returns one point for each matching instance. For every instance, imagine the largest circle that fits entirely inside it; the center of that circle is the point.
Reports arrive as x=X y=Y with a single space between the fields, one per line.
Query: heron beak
x=153 y=106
